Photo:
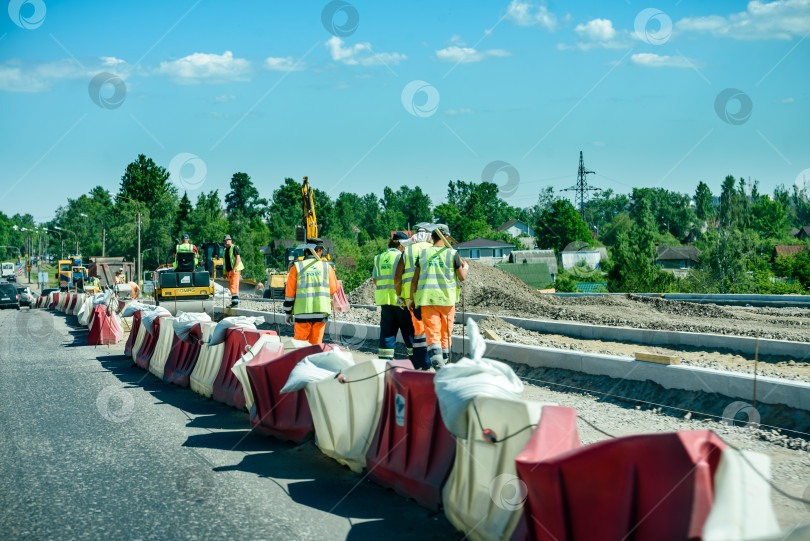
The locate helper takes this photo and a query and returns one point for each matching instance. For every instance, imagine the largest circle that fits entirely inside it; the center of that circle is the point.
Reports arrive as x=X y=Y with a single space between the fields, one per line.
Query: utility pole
x=582 y=187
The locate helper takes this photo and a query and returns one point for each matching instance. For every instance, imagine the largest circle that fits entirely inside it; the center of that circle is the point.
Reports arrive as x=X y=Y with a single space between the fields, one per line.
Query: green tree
x=244 y=197
x=704 y=202
x=146 y=182
x=559 y=226
x=768 y=218
x=285 y=210
x=184 y=210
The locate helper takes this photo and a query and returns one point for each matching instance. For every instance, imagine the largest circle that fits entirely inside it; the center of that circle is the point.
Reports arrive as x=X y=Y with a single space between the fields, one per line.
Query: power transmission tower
x=582 y=187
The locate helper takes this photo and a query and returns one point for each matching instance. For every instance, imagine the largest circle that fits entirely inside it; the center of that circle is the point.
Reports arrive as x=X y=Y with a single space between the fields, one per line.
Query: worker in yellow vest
x=311 y=283
x=233 y=268
x=394 y=315
x=435 y=290
x=186 y=246
x=404 y=275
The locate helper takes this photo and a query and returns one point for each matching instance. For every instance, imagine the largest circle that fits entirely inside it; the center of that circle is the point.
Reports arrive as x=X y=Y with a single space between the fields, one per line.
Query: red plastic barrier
x=183 y=357
x=133 y=332
x=285 y=416
x=412 y=451
x=54 y=301
x=105 y=328
x=226 y=388
x=74 y=299
x=647 y=487
x=148 y=347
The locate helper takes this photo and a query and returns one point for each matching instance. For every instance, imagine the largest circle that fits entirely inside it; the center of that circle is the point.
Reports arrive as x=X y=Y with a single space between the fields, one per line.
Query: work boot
x=436 y=357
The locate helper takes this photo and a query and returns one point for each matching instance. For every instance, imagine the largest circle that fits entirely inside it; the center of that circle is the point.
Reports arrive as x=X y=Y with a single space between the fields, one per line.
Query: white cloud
x=360 y=54
x=598 y=144
x=529 y=14
x=596 y=30
x=650 y=60
x=283 y=64
x=598 y=33
x=462 y=111
x=202 y=67
x=782 y=19
x=224 y=98
x=466 y=55
x=788 y=100
x=16 y=76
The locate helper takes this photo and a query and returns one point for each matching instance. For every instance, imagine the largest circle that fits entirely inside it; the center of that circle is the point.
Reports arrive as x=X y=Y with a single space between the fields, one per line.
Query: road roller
x=184 y=289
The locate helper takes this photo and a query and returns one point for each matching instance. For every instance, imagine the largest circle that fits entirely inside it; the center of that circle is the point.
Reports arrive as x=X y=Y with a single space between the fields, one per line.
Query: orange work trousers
x=311 y=331
x=438 y=321
x=233 y=281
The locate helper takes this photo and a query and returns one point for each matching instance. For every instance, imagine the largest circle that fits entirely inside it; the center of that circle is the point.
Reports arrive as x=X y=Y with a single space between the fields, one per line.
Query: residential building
x=485 y=251
x=535 y=275
x=536 y=256
x=677 y=259
x=515 y=228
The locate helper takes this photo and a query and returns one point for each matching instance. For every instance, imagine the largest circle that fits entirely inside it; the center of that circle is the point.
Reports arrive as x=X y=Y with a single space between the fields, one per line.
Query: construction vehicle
x=213 y=256
x=72 y=275
x=106 y=267
x=184 y=289
x=296 y=250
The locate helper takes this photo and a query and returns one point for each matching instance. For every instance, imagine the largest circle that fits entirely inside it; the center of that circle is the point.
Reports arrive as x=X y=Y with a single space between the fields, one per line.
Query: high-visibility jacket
x=232 y=259
x=386 y=266
x=312 y=292
x=185 y=247
x=409 y=257
x=438 y=285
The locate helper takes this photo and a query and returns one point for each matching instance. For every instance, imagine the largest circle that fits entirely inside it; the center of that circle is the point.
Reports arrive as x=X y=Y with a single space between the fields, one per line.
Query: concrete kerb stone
x=679 y=377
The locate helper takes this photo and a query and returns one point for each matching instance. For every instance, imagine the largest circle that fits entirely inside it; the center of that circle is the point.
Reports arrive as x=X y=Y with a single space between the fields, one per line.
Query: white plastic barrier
x=269 y=341
x=345 y=415
x=163 y=346
x=205 y=371
x=136 y=345
x=62 y=301
x=86 y=311
x=291 y=344
x=481 y=496
x=742 y=509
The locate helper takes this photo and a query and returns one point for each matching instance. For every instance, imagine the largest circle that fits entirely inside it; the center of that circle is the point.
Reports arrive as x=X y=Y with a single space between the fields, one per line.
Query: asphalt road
x=93 y=447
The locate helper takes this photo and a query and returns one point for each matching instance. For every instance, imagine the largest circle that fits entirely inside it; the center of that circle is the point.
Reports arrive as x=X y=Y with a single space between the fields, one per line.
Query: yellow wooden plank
x=655 y=358
x=491 y=335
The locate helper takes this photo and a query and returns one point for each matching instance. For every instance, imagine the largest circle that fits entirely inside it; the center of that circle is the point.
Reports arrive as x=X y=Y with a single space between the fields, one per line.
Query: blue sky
x=416 y=93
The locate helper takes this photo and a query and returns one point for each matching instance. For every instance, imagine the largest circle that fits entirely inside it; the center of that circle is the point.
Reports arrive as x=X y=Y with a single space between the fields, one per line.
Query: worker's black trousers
x=394 y=319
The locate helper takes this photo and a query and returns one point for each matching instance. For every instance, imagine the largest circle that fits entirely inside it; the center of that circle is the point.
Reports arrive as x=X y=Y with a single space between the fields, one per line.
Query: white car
x=26 y=297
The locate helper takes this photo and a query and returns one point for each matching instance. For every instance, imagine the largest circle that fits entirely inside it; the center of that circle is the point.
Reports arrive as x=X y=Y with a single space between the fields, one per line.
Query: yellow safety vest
x=312 y=288
x=438 y=285
x=185 y=248
x=232 y=258
x=409 y=256
x=386 y=266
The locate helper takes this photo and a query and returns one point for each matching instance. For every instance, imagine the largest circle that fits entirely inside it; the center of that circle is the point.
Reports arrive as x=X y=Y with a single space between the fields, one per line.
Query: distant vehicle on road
x=7 y=270
x=26 y=297
x=9 y=298
x=48 y=290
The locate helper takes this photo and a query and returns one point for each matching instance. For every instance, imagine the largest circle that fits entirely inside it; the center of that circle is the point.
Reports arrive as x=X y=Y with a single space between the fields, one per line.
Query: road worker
x=435 y=290
x=394 y=315
x=311 y=283
x=186 y=246
x=405 y=270
x=233 y=268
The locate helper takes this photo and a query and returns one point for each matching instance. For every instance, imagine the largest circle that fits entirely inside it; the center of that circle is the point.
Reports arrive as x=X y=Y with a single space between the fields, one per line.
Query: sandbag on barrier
x=650 y=486
x=106 y=328
x=147 y=349
x=412 y=451
x=239 y=368
x=226 y=387
x=286 y=416
x=163 y=345
x=479 y=496
x=345 y=415
x=207 y=367
x=183 y=358
x=133 y=333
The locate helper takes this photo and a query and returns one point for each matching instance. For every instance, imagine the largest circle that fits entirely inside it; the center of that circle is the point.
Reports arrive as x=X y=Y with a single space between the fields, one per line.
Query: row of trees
x=735 y=232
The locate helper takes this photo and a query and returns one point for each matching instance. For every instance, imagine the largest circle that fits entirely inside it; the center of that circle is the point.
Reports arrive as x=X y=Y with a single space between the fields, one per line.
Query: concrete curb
x=679 y=377
x=651 y=337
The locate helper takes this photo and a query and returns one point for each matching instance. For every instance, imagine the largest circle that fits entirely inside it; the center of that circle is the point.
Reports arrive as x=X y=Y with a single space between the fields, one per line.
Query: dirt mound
x=362 y=294
x=681 y=308
x=490 y=288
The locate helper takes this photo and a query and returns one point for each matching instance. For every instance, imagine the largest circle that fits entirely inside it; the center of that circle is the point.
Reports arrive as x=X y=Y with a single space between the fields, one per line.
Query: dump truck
x=106 y=267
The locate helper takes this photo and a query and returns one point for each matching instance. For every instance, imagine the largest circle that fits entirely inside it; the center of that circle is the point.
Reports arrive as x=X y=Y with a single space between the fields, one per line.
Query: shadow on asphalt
x=324 y=484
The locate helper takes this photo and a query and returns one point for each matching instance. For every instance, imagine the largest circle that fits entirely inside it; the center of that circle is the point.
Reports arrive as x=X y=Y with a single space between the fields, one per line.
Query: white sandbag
x=148 y=317
x=458 y=383
x=131 y=308
x=317 y=367
x=185 y=321
x=221 y=293
x=742 y=507
x=242 y=322
x=265 y=341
